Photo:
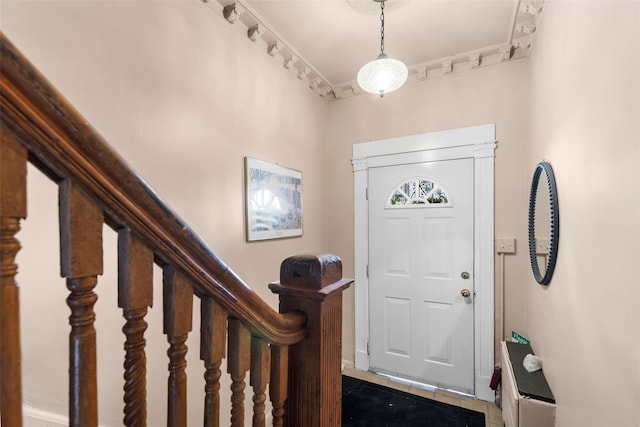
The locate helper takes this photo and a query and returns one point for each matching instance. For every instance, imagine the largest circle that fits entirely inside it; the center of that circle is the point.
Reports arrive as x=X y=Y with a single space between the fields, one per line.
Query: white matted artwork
x=273 y=200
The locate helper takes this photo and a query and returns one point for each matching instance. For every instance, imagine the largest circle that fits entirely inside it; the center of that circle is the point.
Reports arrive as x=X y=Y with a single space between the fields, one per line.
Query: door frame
x=477 y=142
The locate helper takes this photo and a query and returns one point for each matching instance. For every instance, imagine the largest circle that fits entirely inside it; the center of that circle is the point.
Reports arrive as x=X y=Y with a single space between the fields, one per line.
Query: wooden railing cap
x=310 y=274
x=310 y=271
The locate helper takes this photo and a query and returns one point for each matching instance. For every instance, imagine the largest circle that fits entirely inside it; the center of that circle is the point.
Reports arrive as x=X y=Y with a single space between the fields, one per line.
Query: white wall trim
x=477 y=142
x=38 y=417
x=252 y=26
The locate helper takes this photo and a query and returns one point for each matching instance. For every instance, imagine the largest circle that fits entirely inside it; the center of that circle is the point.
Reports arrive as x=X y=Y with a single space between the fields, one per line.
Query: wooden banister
x=213 y=337
x=135 y=295
x=13 y=208
x=81 y=263
x=314 y=285
x=279 y=382
x=237 y=366
x=178 y=312
x=260 y=370
x=63 y=145
x=294 y=354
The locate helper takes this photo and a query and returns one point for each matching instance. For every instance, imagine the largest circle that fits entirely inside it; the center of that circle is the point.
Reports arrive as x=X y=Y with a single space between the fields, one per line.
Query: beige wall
x=585 y=120
x=495 y=94
x=183 y=95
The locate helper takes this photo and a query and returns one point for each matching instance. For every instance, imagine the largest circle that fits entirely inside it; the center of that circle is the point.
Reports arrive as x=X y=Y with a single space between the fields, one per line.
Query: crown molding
x=525 y=19
x=257 y=30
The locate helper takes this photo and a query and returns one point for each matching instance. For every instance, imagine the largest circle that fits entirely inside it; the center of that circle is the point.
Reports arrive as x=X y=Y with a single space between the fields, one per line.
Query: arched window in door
x=418 y=191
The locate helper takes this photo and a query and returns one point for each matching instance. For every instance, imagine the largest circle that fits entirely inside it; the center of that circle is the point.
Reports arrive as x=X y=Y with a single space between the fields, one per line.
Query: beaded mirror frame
x=551 y=252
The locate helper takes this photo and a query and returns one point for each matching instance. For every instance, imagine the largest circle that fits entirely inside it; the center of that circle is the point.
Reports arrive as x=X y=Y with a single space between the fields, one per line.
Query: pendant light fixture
x=383 y=74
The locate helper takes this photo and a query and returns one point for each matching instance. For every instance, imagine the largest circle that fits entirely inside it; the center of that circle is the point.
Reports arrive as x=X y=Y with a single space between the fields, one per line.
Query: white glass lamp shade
x=382 y=75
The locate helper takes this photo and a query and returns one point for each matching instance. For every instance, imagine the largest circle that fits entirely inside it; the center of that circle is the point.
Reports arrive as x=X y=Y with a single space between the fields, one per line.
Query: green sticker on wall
x=519 y=338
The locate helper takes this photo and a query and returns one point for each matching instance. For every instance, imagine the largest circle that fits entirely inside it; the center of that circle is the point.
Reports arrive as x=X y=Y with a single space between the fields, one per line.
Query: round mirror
x=544 y=224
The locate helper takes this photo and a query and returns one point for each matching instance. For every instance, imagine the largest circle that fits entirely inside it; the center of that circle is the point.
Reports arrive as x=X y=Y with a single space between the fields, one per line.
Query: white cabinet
x=523 y=409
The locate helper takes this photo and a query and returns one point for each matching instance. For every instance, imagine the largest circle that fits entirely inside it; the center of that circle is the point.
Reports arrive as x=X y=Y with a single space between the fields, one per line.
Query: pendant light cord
x=382 y=26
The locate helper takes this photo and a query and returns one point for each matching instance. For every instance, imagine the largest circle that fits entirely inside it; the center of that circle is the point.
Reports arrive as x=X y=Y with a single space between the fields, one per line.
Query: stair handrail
x=62 y=143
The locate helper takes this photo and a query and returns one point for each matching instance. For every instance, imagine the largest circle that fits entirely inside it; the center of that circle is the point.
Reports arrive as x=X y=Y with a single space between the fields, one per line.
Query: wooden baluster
x=213 y=334
x=278 y=384
x=81 y=263
x=178 y=313
x=135 y=295
x=260 y=366
x=237 y=365
x=13 y=207
x=314 y=285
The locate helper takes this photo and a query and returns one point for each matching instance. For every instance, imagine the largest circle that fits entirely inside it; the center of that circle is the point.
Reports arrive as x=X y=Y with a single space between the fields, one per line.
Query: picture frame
x=273 y=201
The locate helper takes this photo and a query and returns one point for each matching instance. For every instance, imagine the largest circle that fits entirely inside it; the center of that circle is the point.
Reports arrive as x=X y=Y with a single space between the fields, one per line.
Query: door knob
x=465 y=293
x=465 y=275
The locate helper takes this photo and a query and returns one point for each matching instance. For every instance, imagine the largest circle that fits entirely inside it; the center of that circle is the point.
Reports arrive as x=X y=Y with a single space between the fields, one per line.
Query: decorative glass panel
x=418 y=191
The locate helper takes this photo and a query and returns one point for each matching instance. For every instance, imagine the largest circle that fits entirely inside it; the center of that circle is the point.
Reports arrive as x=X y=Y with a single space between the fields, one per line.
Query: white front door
x=421 y=279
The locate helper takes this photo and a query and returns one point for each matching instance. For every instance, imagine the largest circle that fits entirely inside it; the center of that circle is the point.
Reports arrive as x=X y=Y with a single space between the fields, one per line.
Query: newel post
x=313 y=284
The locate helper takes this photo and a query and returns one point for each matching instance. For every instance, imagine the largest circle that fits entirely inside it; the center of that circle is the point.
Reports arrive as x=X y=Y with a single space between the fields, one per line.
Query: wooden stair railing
x=294 y=354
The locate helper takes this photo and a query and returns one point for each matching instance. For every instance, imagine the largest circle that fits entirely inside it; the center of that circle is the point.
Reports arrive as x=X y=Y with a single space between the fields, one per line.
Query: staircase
x=293 y=355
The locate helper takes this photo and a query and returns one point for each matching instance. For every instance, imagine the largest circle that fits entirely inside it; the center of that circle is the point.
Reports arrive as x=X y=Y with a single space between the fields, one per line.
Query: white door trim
x=477 y=142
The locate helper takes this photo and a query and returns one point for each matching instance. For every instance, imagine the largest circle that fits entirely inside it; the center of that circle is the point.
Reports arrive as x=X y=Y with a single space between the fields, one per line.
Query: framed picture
x=273 y=200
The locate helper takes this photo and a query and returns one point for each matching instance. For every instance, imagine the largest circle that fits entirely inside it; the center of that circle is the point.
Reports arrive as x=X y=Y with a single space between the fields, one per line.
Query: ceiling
x=329 y=40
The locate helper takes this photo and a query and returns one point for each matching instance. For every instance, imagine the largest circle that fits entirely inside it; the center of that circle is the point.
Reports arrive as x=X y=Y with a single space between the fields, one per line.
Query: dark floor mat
x=373 y=405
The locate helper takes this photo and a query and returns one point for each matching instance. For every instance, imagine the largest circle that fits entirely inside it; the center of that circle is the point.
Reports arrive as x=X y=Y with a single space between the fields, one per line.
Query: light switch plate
x=506 y=246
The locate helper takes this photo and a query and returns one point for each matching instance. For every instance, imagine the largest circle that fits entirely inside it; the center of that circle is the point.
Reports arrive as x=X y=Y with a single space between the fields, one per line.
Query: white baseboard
x=483 y=391
x=34 y=417
x=362 y=360
x=347 y=364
